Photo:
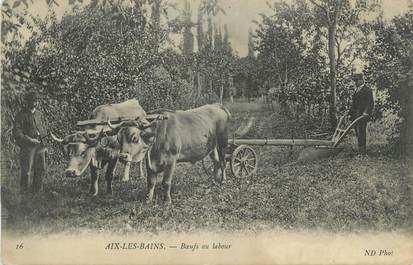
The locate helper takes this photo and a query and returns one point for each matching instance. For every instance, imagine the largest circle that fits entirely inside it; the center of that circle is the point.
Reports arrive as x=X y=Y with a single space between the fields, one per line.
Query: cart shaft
x=281 y=142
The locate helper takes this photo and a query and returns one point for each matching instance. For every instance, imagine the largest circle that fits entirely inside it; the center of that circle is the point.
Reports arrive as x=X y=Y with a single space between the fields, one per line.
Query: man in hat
x=362 y=104
x=28 y=132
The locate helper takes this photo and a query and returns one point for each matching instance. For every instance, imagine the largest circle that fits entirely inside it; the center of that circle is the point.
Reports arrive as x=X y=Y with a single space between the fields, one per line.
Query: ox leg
x=222 y=143
x=151 y=181
x=222 y=163
x=167 y=182
x=94 y=175
x=109 y=177
x=215 y=159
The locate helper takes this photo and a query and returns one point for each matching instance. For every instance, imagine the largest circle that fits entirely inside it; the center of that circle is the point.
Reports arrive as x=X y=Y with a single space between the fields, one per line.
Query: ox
x=94 y=148
x=183 y=136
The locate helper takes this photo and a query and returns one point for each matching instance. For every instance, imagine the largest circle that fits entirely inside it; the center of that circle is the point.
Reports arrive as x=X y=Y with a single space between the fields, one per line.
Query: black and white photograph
x=206 y=132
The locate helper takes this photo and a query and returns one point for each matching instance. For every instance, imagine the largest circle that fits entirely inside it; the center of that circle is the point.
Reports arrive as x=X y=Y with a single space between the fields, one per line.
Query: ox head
x=134 y=137
x=80 y=147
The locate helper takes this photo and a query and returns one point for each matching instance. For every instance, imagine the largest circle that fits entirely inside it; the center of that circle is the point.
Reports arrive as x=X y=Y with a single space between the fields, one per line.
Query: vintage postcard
x=206 y=132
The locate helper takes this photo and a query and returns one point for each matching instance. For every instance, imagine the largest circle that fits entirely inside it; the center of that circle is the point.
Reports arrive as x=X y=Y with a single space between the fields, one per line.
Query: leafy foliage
x=214 y=61
x=390 y=69
x=95 y=55
x=290 y=53
x=295 y=60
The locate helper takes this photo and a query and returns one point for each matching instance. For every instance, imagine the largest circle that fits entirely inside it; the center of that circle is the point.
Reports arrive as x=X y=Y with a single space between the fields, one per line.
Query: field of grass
x=343 y=193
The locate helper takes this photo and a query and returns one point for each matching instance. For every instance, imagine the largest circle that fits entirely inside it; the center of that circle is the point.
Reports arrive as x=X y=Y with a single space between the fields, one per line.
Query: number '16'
x=19 y=246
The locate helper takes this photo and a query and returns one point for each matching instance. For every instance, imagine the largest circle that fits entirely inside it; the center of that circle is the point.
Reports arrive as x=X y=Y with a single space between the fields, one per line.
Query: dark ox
x=94 y=148
x=184 y=136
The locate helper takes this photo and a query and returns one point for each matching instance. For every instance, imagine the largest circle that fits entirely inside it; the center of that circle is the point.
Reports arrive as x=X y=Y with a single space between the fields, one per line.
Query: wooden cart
x=243 y=159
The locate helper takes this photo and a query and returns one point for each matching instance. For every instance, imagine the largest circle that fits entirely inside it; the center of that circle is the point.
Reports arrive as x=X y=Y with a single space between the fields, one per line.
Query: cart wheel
x=244 y=162
x=208 y=166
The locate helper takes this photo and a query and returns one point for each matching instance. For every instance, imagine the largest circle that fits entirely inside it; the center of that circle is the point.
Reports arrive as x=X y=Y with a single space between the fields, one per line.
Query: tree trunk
x=191 y=77
x=406 y=132
x=199 y=85
x=211 y=90
x=221 y=92
x=332 y=58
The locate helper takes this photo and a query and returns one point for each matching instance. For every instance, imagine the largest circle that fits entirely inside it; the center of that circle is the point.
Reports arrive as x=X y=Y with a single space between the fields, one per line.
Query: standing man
x=28 y=132
x=362 y=104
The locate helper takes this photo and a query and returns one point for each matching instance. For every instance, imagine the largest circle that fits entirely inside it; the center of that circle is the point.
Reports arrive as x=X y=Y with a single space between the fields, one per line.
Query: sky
x=239 y=15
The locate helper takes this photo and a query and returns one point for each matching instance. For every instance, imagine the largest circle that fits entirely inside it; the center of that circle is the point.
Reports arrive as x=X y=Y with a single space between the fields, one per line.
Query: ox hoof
x=167 y=202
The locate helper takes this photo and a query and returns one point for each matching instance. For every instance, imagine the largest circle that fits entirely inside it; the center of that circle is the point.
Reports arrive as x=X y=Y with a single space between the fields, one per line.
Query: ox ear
x=66 y=151
x=148 y=135
x=147 y=130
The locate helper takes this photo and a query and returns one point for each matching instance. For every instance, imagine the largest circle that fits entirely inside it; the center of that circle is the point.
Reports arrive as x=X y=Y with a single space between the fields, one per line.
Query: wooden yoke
x=94 y=122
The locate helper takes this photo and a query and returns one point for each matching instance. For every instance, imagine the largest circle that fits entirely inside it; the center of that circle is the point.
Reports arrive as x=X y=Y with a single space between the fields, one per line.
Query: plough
x=244 y=161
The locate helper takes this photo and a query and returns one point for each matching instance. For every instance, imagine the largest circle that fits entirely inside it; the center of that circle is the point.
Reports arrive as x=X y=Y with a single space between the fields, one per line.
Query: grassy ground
x=344 y=193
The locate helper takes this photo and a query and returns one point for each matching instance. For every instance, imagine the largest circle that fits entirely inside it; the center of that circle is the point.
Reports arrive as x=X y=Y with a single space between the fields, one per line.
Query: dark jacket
x=28 y=124
x=362 y=102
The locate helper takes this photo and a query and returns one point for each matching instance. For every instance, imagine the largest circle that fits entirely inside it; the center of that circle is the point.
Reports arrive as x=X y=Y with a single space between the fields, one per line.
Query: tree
x=200 y=29
x=188 y=42
x=211 y=7
x=250 y=44
x=338 y=15
x=18 y=15
x=353 y=39
x=330 y=12
x=209 y=35
x=92 y=56
x=226 y=44
x=289 y=54
x=156 y=15
x=217 y=37
x=201 y=45
x=390 y=69
x=214 y=61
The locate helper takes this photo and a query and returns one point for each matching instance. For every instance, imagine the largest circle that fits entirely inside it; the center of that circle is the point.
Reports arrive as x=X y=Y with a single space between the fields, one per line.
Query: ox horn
x=57 y=139
x=93 y=140
x=113 y=127
x=143 y=124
